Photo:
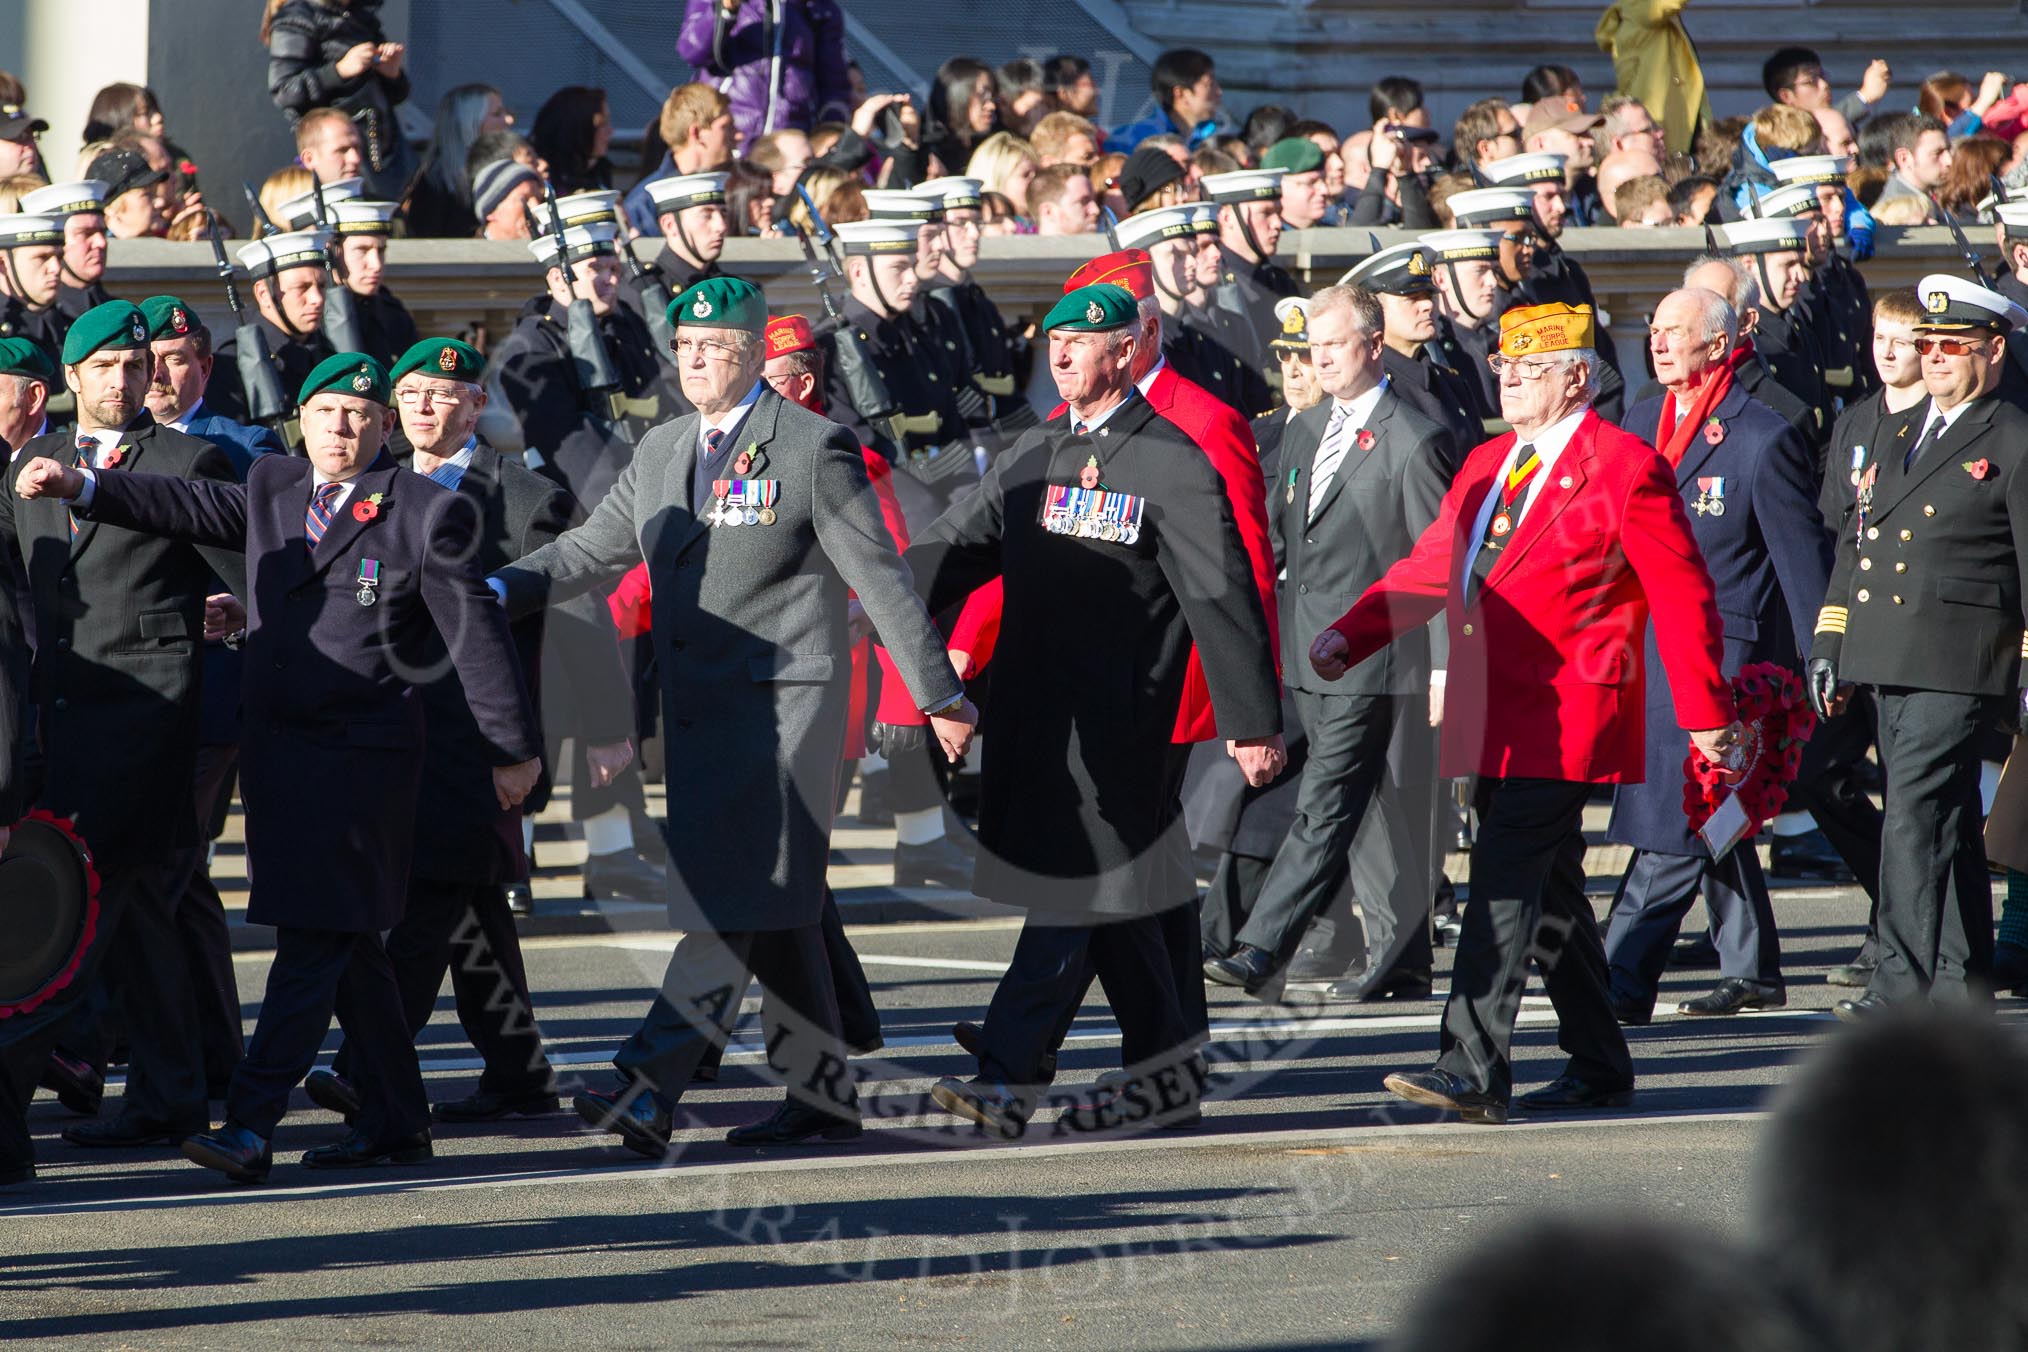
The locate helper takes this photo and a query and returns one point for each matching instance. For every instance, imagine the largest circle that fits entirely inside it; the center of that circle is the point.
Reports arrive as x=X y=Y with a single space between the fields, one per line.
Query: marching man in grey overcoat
x=754 y=516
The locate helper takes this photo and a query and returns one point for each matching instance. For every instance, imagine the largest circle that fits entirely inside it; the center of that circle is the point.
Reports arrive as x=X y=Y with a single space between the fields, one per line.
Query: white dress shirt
x=1548 y=448
x=730 y=421
x=1349 y=417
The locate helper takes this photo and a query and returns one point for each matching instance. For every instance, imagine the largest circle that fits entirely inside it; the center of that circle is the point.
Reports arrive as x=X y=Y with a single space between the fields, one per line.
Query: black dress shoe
x=1736 y=993
x=940 y=863
x=989 y=1103
x=78 y=1086
x=873 y=808
x=121 y=1132
x=640 y=1123
x=1856 y=974
x=1568 y=1091
x=1808 y=856
x=485 y=1106
x=971 y=1038
x=1697 y=952
x=1632 y=1011
x=1441 y=1089
x=1246 y=966
x=794 y=1124
x=1445 y=930
x=235 y=1151
x=356 y=1152
x=623 y=873
x=1403 y=983
x=1862 y=1008
x=520 y=898
x=1311 y=968
x=333 y=1093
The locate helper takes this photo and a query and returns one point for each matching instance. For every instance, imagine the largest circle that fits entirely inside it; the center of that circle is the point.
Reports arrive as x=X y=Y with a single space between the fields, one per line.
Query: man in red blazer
x=1550 y=551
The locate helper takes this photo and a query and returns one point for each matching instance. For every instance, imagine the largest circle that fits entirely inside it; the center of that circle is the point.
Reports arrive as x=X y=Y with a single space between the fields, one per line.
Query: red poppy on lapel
x=1714 y=432
x=115 y=456
x=1365 y=439
x=367 y=510
x=1979 y=469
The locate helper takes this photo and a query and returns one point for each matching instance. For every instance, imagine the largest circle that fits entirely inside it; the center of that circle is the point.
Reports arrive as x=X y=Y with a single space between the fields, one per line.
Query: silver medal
x=366 y=596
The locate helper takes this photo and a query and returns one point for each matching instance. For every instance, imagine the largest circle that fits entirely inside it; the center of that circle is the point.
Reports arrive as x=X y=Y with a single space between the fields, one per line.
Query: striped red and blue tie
x=712 y=440
x=323 y=506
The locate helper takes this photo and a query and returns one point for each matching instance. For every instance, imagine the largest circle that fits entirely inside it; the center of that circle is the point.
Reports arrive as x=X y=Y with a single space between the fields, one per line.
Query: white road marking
x=964 y=1151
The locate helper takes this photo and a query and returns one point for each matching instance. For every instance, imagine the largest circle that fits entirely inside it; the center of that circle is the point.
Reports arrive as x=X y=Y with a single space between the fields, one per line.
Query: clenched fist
x=512 y=783
x=1328 y=653
x=46 y=478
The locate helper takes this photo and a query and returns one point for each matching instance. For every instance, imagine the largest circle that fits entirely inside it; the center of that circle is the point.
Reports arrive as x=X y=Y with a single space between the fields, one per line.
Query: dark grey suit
x=1383 y=495
x=750 y=641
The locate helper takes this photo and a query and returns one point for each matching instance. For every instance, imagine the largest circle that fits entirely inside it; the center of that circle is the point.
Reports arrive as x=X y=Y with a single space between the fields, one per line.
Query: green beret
x=25 y=357
x=116 y=326
x=169 y=318
x=349 y=373
x=1295 y=155
x=444 y=358
x=1093 y=309
x=721 y=303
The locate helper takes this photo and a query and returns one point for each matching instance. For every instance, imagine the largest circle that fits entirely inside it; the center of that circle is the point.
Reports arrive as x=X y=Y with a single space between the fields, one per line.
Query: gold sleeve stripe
x=2024 y=646
x=1832 y=619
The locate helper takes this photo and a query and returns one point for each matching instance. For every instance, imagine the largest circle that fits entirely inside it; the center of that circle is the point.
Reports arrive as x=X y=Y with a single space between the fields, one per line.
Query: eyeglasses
x=414 y=395
x=1950 y=347
x=710 y=348
x=1524 y=369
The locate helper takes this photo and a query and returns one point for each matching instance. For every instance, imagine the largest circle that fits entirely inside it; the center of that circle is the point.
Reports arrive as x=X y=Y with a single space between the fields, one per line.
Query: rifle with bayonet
x=851 y=362
x=267 y=403
x=592 y=361
x=341 y=325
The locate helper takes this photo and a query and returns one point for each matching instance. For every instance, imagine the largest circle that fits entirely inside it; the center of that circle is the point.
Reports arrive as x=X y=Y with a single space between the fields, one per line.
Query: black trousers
x=1657 y=892
x=858 y=1017
x=203 y=936
x=146 y=979
x=1528 y=902
x=1349 y=738
x=1053 y=966
x=316 y=974
x=1828 y=788
x=1936 y=901
x=700 y=1000
x=1230 y=897
x=466 y=929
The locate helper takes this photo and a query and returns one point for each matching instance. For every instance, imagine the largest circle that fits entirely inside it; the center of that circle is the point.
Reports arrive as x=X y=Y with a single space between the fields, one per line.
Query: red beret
x=1132 y=269
x=789 y=333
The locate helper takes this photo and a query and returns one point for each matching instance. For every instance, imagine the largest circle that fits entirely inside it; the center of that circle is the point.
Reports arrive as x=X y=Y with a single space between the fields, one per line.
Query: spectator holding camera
x=334 y=54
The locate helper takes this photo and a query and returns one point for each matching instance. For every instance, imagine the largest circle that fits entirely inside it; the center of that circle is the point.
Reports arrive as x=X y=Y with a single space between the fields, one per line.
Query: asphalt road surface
x=1305 y=1212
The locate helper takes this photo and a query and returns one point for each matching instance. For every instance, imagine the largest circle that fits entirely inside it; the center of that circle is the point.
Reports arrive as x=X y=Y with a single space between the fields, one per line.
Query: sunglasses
x=1950 y=347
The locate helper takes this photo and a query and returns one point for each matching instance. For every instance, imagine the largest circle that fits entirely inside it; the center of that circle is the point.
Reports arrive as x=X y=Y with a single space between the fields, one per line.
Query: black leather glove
x=894 y=739
x=1823 y=684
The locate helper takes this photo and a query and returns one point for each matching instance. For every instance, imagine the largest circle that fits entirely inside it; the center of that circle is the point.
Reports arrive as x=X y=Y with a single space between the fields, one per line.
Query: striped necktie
x=86 y=447
x=322 y=508
x=1330 y=455
x=712 y=441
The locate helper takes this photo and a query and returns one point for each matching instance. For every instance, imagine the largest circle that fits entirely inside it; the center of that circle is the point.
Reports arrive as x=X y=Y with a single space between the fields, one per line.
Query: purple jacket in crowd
x=782 y=62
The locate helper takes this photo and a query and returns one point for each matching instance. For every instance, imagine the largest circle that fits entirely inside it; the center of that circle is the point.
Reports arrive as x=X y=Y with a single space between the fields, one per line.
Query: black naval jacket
x=1933 y=563
x=995 y=360
x=565 y=426
x=1205 y=344
x=1439 y=394
x=332 y=744
x=1080 y=816
x=386 y=329
x=1787 y=342
x=119 y=659
x=1837 y=297
x=48 y=327
x=675 y=274
x=294 y=359
x=75 y=300
x=921 y=384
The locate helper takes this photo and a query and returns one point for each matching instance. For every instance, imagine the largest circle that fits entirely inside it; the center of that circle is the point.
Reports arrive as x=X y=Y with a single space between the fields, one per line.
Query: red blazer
x=1545 y=673
x=1226 y=439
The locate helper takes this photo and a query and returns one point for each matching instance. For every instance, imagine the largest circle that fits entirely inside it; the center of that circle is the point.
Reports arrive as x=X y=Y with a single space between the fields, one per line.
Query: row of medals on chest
x=740 y=501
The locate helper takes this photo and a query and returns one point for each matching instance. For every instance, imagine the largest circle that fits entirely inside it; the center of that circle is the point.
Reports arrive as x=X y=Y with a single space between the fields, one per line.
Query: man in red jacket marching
x=1550 y=551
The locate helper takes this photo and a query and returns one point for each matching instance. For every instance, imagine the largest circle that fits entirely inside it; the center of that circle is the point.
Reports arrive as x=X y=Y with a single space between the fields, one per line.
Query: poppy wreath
x=63 y=826
x=1769 y=701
